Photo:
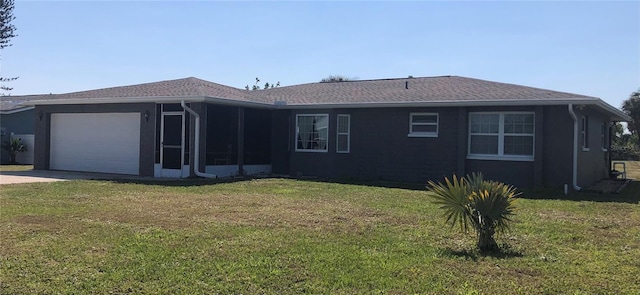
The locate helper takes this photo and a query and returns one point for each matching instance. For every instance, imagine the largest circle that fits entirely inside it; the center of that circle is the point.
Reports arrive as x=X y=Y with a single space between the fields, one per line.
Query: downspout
x=609 y=145
x=196 y=157
x=575 y=148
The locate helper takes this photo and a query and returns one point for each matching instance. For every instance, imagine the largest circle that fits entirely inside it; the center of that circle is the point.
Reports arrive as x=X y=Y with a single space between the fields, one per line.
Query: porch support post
x=240 y=141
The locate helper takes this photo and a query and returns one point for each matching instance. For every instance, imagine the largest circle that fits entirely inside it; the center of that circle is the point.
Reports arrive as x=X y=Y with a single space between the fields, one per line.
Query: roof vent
x=406 y=84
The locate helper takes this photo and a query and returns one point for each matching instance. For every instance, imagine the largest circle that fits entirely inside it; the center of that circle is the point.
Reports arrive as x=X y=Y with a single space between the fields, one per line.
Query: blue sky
x=590 y=48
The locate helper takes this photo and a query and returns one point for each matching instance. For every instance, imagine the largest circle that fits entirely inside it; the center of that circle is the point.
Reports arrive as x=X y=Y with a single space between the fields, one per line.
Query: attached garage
x=95 y=142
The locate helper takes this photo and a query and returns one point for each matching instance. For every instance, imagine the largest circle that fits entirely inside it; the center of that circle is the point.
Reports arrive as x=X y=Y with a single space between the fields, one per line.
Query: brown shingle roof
x=428 y=89
x=187 y=87
x=441 y=89
x=15 y=102
x=425 y=91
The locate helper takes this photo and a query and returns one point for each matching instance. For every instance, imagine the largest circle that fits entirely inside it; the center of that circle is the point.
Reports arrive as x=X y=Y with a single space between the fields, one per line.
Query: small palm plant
x=486 y=206
x=14 y=146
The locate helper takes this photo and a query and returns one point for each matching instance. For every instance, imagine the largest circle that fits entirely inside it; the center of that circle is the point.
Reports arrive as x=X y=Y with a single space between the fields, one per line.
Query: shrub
x=484 y=205
x=629 y=153
x=14 y=146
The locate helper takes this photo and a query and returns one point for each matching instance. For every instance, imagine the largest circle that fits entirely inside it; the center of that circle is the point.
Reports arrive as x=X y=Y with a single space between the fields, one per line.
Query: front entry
x=172 y=144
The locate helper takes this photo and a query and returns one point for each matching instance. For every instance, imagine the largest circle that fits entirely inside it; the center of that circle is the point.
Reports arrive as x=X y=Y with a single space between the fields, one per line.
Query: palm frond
x=452 y=196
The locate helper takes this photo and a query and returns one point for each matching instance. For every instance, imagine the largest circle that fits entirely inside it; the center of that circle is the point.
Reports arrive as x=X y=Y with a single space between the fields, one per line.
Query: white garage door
x=96 y=142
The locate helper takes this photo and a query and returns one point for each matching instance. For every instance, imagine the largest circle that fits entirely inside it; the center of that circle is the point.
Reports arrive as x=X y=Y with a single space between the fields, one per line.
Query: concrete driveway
x=29 y=176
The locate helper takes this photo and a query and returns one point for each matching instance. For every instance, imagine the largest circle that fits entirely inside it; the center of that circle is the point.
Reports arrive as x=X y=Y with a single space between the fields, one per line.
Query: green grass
x=15 y=167
x=278 y=236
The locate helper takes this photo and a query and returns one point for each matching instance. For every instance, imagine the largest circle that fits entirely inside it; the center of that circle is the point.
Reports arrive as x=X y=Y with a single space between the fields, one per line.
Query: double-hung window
x=312 y=132
x=343 y=134
x=423 y=125
x=501 y=136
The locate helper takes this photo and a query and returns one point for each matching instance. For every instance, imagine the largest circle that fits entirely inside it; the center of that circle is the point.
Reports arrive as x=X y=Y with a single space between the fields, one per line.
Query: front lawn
x=15 y=167
x=279 y=236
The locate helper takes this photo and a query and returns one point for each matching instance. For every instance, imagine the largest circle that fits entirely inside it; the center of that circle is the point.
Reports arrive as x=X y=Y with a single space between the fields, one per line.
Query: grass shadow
x=372 y=183
x=195 y=181
x=182 y=182
x=504 y=251
x=629 y=194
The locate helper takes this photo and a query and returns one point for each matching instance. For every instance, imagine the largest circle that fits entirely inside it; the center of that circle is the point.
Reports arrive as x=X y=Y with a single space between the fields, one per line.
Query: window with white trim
x=312 y=132
x=344 y=134
x=584 y=132
x=501 y=136
x=604 y=139
x=423 y=125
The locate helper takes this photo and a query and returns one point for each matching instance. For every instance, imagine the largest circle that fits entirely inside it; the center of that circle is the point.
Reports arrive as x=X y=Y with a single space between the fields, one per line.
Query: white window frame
x=423 y=134
x=584 y=132
x=501 y=134
x=347 y=134
x=295 y=141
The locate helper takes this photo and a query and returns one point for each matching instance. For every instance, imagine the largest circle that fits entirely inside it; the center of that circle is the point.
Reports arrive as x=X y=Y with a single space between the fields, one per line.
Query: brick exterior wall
x=381 y=149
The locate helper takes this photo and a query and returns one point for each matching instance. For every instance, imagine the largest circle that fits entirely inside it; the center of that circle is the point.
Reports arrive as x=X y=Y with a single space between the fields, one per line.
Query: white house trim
x=9 y=112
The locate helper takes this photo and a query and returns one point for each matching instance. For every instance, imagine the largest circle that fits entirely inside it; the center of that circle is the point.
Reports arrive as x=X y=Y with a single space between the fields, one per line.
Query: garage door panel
x=96 y=142
x=94 y=165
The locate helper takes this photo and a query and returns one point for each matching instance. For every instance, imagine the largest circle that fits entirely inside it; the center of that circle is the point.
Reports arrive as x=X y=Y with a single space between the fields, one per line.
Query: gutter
x=614 y=113
x=575 y=148
x=13 y=111
x=196 y=149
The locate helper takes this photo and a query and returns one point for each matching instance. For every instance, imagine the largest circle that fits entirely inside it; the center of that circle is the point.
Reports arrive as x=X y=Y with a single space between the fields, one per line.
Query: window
x=501 y=136
x=603 y=136
x=312 y=132
x=584 y=132
x=423 y=125
x=343 y=137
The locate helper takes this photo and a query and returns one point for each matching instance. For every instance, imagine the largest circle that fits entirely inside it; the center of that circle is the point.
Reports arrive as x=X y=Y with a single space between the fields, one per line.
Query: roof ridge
x=202 y=86
x=367 y=80
x=392 y=79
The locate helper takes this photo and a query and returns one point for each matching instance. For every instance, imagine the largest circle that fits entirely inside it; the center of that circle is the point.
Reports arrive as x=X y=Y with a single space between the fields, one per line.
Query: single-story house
x=17 y=120
x=408 y=129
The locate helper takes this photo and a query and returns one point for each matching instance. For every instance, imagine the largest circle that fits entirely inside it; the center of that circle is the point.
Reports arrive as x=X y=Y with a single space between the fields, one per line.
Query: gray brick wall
x=381 y=148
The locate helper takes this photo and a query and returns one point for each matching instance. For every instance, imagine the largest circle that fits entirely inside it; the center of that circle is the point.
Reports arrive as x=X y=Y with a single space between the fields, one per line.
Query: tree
x=486 y=206
x=631 y=107
x=7 y=31
x=624 y=146
x=14 y=146
x=335 y=78
x=266 y=85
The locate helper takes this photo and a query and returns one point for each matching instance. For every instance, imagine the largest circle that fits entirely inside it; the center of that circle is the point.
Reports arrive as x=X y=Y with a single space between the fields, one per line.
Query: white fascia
x=615 y=114
x=9 y=112
x=66 y=101
x=124 y=100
